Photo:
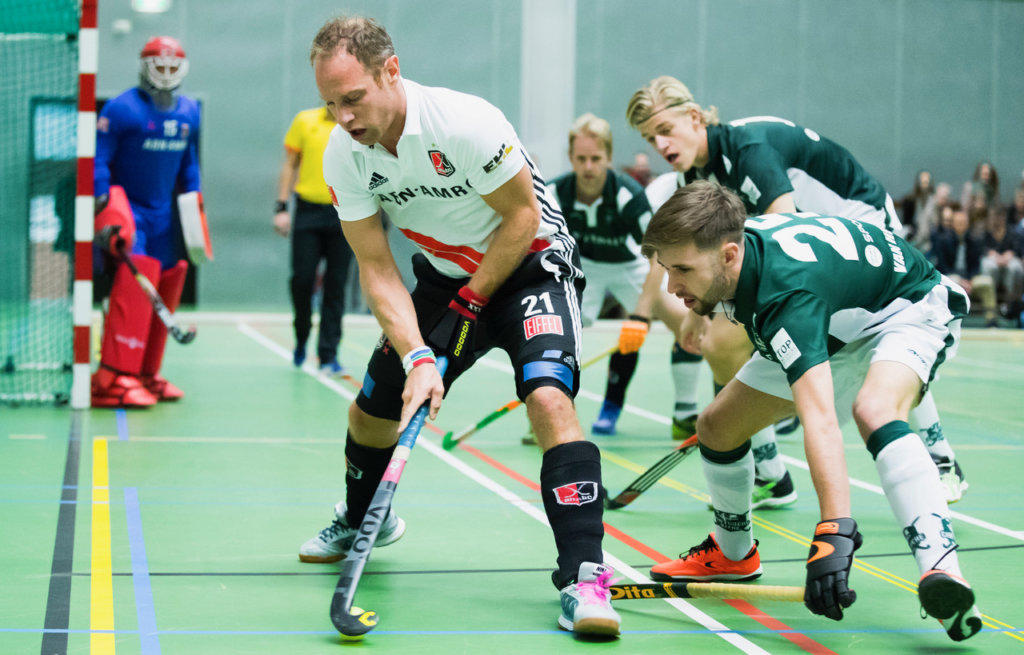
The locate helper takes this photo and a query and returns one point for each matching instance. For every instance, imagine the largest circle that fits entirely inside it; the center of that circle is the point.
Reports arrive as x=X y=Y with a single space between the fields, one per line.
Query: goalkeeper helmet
x=163 y=63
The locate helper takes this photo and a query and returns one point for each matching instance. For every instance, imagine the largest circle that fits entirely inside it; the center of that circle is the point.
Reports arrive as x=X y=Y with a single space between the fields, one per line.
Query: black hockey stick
x=652 y=475
x=353 y=622
x=166 y=317
x=722 y=590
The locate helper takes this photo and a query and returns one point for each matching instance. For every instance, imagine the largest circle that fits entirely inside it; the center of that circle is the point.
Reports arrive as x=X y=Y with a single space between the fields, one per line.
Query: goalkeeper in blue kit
x=827 y=350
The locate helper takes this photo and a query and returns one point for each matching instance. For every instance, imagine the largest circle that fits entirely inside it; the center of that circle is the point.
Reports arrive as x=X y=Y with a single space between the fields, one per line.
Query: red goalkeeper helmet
x=163 y=63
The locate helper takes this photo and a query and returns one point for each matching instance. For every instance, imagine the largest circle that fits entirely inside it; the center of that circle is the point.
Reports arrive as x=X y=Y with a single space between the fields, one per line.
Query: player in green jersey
x=826 y=349
x=774 y=166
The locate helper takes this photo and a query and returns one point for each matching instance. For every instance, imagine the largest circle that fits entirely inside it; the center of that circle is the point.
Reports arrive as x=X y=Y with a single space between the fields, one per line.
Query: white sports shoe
x=952 y=478
x=586 y=603
x=334 y=541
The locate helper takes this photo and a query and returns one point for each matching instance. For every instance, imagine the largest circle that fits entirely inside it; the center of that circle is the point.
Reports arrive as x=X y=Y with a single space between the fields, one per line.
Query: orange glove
x=633 y=333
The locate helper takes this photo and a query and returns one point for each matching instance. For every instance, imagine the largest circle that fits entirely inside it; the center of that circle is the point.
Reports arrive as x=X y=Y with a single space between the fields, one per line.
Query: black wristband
x=280 y=206
x=638 y=317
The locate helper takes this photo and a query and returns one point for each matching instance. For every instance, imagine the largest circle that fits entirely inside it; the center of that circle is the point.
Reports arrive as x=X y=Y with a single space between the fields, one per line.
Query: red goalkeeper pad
x=194 y=227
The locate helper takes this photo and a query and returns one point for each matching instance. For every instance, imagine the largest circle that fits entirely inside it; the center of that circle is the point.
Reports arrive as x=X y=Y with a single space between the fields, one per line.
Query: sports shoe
x=161 y=389
x=951 y=600
x=773 y=494
x=586 y=603
x=787 y=425
x=952 y=478
x=299 y=356
x=334 y=541
x=332 y=369
x=706 y=563
x=606 y=420
x=684 y=428
x=529 y=439
x=109 y=389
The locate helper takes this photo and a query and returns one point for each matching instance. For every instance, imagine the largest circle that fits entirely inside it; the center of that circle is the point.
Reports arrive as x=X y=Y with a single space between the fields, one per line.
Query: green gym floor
x=175 y=529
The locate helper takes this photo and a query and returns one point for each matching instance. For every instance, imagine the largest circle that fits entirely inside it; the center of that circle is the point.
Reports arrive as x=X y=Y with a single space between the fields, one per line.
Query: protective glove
x=452 y=335
x=633 y=332
x=109 y=240
x=828 y=567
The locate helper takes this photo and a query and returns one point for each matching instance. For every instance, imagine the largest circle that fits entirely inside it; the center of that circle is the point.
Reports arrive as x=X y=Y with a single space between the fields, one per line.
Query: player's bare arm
x=823 y=440
x=782 y=205
x=515 y=202
x=392 y=306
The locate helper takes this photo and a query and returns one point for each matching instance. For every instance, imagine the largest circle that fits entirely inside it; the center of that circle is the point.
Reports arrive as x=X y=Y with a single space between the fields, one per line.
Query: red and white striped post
x=88 y=59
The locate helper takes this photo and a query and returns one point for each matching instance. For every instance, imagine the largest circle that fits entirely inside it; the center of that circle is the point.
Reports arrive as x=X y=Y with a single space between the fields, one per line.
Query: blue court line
x=485 y=633
x=122 y=424
x=148 y=634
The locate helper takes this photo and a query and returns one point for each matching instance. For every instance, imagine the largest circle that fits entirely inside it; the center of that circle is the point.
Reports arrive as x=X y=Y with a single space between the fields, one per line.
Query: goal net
x=38 y=125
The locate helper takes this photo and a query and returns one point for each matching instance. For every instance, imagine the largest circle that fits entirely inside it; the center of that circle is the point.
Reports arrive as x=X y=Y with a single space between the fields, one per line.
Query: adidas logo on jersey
x=376 y=180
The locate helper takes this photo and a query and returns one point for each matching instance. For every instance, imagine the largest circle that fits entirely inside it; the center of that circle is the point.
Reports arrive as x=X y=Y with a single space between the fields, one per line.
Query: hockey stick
x=353 y=622
x=451 y=439
x=721 y=590
x=652 y=475
x=166 y=317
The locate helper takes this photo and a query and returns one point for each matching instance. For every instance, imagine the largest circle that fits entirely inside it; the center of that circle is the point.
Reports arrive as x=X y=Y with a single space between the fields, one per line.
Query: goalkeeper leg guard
x=172 y=281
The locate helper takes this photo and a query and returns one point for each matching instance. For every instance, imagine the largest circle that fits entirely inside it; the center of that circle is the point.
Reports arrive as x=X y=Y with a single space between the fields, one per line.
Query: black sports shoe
x=951 y=600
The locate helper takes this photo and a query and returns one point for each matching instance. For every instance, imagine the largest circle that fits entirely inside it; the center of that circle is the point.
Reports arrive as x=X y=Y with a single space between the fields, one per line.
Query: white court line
x=1014 y=534
x=1019 y=535
x=686 y=608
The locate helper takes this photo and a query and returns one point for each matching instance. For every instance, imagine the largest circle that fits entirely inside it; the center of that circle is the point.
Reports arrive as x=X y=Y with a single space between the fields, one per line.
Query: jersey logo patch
x=441 y=164
x=376 y=180
x=576 y=493
x=544 y=324
x=784 y=348
x=496 y=161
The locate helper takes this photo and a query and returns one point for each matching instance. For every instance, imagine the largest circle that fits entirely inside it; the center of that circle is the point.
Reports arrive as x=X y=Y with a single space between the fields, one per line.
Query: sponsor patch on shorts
x=577 y=493
x=544 y=324
x=784 y=348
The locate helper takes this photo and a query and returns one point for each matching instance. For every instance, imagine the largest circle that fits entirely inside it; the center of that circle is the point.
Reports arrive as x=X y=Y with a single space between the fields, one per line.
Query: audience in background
x=912 y=205
x=985 y=181
x=640 y=170
x=958 y=254
x=1002 y=262
x=929 y=218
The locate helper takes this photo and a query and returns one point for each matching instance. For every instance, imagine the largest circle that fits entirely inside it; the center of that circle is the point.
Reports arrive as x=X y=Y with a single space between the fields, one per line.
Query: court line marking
x=505 y=367
x=101 y=583
x=148 y=633
x=34 y=437
x=688 y=609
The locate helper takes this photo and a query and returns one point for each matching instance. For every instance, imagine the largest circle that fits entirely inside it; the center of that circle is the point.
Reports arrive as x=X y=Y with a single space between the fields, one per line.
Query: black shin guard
x=620 y=372
x=364 y=467
x=570 y=481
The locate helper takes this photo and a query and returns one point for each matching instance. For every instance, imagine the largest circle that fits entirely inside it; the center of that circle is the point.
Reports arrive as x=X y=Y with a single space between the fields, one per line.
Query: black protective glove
x=453 y=333
x=828 y=567
x=109 y=240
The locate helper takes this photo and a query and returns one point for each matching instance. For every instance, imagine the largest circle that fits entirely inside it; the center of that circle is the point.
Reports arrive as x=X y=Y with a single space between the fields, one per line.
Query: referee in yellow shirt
x=316 y=235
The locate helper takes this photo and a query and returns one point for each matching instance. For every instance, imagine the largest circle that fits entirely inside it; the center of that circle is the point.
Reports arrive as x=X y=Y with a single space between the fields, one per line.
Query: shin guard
x=570 y=481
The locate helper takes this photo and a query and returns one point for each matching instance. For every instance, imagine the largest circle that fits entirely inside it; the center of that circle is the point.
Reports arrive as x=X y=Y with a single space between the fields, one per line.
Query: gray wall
x=904 y=84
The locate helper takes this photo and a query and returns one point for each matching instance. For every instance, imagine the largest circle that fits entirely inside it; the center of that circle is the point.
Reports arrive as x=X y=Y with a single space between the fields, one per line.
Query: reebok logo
x=376 y=180
x=576 y=493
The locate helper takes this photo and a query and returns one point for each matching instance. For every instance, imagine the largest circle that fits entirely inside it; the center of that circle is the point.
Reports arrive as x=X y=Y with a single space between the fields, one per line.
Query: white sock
x=925 y=420
x=912 y=487
x=686 y=376
x=730 y=486
x=767 y=463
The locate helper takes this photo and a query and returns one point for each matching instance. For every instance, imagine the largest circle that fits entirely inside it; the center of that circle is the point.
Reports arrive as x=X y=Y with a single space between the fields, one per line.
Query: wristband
x=280 y=206
x=417 y=357
x=638 y=317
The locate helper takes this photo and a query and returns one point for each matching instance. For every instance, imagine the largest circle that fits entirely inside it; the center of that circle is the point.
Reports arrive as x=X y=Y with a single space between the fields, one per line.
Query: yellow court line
x=101 y=579
x=786 y=533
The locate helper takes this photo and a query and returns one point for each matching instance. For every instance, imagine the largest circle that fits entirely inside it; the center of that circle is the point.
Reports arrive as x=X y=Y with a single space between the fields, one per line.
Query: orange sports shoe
x=706 y=563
